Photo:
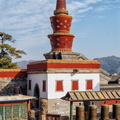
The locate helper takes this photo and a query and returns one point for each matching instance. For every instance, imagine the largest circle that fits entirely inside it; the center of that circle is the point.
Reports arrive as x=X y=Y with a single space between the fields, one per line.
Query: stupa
x=63 y=70
x=62 y=40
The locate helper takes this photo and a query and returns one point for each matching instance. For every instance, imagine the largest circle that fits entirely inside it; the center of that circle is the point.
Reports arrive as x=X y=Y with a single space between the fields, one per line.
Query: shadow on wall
x=12 y=86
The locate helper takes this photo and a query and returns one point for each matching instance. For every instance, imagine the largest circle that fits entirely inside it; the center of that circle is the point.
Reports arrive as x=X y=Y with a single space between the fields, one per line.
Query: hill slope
x=23 y=64
x=110 y=64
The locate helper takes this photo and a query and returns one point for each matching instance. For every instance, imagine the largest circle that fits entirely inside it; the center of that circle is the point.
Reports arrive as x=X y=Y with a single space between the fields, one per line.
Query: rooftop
x=18 y=97
x=92 y=95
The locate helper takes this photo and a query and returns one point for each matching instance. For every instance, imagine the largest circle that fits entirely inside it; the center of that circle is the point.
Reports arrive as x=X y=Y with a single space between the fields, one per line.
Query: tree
x=7 y=51
x=6 y=63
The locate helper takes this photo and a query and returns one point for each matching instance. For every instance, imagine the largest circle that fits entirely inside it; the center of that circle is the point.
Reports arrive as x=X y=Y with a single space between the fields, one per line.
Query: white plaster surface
x=37 y=79
x=67 y=78
x=51 y=78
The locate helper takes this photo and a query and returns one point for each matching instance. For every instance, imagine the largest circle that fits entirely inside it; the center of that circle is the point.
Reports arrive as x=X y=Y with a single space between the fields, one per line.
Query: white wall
x=67 y=83
x=37 y=79
x=51 y=92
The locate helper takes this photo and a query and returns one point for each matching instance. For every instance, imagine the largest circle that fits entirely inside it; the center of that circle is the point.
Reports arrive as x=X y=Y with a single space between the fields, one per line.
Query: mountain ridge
x=110 y=64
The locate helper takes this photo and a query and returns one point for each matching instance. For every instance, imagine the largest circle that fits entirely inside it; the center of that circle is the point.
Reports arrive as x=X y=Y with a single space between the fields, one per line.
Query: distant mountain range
x=110 y=64
x=23 y=64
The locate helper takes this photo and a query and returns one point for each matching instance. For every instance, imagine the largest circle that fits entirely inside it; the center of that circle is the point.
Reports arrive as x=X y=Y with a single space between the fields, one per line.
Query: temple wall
x=13 y=81
x=67 y=78
x=67 y=83
x=36 y=79
x=11 y=86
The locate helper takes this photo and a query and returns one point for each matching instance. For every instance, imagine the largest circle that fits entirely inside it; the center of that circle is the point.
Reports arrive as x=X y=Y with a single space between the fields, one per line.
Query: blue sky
x=96 y=25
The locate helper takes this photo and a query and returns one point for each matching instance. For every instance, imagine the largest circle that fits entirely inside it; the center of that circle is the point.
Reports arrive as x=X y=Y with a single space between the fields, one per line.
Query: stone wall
x=62 y=107
x=110 y=87
x=11 y=86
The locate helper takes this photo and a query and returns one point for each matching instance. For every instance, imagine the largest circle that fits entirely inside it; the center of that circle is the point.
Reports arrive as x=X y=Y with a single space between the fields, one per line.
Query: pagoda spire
x=61 y=39
x=60 y=7
x=61 y=4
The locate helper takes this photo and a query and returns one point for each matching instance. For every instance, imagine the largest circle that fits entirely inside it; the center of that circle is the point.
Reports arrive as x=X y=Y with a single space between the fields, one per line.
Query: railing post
x=71 y=110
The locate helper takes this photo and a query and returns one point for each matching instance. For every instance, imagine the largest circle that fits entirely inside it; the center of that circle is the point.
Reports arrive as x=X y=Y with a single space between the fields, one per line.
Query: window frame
x=44 y=86
x=29 y=84
x=73 y=86
x=56 y=87
x=87 y=84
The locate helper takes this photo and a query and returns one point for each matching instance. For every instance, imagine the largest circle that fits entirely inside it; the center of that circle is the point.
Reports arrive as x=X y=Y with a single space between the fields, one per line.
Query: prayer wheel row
x=92 y=113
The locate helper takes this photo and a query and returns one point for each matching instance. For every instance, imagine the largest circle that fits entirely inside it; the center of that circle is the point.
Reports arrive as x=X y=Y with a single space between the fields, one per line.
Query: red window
x=74 y=85
x=59 y=85
x=44 y=86
x=89 y=85
x=29 y=85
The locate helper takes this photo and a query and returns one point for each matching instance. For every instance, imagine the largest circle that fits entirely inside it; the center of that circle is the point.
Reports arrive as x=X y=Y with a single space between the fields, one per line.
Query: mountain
x=110 y=64
x=23 y=64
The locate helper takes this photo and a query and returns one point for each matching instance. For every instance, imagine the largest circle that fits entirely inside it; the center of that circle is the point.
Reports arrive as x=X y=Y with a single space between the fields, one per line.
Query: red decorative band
x=13 y=74
x=41 y=66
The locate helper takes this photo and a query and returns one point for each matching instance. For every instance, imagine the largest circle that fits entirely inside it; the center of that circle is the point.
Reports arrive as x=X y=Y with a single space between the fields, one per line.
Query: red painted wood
x=61 y=24
x=109 y=102
x=13 y=103
x=59 y=85
x=61 y=42
x=61 y=4
x=74 y=85
x=70 y=65
x=89 y=85
x=37 y=66
x=62 y=65
x=13 y=74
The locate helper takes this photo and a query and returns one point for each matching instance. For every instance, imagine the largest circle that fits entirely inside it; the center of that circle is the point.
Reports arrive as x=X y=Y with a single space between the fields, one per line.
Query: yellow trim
x=12 y=70
x=73 y=61
x=66 y=61
x=61 y=33
x=62 y=49
x=61 y=15
x=60 y=11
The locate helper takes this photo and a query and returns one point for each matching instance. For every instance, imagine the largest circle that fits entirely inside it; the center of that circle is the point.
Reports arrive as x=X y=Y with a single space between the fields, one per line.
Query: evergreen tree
x=7 y=51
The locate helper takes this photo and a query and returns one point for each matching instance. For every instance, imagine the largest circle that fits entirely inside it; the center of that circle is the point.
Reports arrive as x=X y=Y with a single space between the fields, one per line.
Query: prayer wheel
x=105 y=112
x=92 y=112
x=80 y=114
x=116 y=111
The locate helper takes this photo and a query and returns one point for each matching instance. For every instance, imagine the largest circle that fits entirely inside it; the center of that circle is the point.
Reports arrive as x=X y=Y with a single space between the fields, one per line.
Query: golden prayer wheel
x=92 y=112
x=116 y=111
x=80 y=114
x=105 y=112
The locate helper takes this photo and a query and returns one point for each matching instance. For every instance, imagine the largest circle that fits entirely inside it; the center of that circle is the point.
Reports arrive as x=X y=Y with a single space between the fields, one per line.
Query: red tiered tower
x=61 y=40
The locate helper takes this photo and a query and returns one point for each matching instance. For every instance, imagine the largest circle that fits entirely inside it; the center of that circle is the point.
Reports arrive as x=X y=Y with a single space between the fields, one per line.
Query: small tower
x=62 y=40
